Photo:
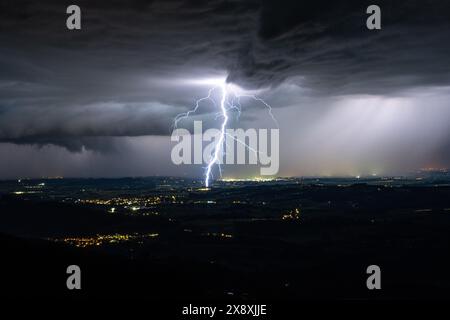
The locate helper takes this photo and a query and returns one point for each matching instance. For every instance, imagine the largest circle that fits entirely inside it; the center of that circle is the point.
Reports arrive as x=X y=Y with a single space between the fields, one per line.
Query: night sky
x=100 y=101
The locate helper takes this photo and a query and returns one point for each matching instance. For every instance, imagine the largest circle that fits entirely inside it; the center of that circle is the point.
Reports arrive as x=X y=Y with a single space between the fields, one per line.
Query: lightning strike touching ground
x=226 y=104
x=219 y=144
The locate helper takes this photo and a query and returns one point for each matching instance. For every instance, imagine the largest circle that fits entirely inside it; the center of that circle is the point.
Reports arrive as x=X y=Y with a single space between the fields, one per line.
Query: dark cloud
x=124 y=73
x=328 y=44
x=106 y=145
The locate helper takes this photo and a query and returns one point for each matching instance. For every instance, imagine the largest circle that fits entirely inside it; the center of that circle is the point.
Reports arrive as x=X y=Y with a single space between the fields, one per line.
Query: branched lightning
x=268 y=106
x=184 y=115
x=219 y=144
x=227 y=102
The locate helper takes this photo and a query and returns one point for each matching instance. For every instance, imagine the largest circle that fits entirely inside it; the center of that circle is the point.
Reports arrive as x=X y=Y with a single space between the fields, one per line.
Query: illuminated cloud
x=135 y=65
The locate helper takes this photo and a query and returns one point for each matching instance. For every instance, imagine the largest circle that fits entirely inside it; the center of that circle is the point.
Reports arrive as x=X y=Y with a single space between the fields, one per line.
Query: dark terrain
x=281 y=240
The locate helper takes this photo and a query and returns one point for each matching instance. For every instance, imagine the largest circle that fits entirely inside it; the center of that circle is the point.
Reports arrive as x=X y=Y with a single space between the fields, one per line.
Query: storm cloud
x=128 y=72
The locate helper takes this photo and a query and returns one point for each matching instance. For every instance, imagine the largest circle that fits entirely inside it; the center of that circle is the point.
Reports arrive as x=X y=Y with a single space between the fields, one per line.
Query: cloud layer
x=127 y=72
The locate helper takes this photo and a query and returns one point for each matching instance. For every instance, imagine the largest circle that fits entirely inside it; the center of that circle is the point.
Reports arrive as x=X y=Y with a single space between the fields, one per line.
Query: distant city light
x=254 y=179
x=98 y=240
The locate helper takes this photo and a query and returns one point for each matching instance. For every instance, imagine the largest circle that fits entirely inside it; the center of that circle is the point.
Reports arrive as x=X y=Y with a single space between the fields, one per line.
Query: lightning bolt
x=226 y=104
x=219 y=145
